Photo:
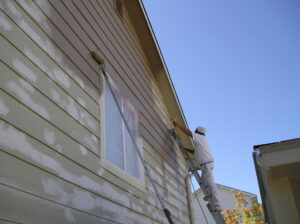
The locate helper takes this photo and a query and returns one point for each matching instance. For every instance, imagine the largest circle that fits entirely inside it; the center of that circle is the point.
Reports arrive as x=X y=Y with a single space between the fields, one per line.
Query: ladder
x=217 y=216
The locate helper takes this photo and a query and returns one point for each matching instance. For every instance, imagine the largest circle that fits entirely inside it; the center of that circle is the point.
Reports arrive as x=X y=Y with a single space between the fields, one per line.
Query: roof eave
x=157 y=63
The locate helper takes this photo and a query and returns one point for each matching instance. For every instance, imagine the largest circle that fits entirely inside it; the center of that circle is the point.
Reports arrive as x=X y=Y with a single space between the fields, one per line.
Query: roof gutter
x=263 y=195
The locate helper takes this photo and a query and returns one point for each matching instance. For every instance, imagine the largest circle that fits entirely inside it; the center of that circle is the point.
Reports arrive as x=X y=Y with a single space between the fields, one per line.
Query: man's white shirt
x=202 y=149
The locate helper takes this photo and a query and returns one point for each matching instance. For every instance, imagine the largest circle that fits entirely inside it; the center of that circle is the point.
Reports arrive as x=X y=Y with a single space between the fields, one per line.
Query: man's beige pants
x=210 y=184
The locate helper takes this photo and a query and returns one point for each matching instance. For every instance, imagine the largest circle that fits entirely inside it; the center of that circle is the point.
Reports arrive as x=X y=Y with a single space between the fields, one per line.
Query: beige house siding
x=228 y=202
x=50 y=127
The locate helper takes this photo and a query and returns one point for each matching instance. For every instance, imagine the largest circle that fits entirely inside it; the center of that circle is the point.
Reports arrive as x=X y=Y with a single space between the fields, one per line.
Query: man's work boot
x=219 y=209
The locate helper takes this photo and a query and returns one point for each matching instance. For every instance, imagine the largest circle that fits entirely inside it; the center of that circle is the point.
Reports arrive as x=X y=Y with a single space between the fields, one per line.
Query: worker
x=204 y=162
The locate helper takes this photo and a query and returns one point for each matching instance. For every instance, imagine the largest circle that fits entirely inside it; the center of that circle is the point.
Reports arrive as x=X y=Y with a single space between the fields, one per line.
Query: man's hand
x=185 y=130
x=175 y=123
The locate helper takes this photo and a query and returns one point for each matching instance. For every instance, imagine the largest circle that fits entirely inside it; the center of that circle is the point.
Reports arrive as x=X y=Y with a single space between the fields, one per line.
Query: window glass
x=131 y=157
x=119 y=145
x=113 y=131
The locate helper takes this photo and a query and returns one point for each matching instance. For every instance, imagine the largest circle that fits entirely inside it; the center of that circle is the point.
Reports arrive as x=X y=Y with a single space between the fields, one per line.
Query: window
x=119 y=148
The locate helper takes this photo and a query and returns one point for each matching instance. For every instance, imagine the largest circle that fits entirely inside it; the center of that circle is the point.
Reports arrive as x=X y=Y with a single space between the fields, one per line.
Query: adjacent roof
x=269 y=145
x=235 y=189
x=230 y=188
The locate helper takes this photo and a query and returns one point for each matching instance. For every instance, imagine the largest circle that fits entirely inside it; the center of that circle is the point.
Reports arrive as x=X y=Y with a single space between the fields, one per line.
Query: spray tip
x=97 y=58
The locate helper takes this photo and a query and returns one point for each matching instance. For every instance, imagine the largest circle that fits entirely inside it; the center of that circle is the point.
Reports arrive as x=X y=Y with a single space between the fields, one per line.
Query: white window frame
x=106 y=163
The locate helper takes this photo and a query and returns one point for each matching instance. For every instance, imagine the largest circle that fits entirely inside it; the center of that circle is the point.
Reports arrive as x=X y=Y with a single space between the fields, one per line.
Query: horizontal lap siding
x=67 y=171
x=35 y=126
x=50 y=100
x=25 y=93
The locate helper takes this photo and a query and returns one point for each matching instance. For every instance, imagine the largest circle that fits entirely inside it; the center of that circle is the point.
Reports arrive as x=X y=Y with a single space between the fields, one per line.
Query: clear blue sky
x=236 y=68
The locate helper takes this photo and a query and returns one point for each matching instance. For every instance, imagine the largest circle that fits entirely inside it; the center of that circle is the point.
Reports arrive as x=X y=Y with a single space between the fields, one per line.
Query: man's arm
x=185 y=130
